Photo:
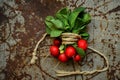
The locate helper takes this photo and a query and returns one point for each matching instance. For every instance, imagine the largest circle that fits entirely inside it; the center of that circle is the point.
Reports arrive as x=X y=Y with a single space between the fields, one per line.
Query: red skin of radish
x=77 y=58
x=54 y=50
x=70 y=51
x=82 y=44
x=63 y=58
x=57 y=42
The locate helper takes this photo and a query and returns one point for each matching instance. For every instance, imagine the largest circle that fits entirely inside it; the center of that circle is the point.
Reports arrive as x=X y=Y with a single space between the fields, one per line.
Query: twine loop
x=77 y=72
x=69 y=38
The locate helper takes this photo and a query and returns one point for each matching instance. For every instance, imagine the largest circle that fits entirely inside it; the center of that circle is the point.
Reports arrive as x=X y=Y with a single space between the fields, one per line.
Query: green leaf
x=48 y=30
x=61 y=47
x=73 y=16
x=85 y=35
x=86 y=18
x=48 y=23
x=63 y=16
x=53 y=23
x=68 y=21
x=79 y=9
x=86 y=38
x=80 y=51
x=48 y=18
x=57 y=23
x=78 y=29
x=64 y=20
x=64 y=12
x=55 y=33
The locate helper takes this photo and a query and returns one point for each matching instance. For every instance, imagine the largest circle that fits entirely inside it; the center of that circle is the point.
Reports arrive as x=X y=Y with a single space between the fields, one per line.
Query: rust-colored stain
x=22 y=25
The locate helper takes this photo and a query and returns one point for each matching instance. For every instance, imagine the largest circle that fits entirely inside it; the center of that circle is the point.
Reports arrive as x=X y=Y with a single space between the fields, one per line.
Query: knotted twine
x=71 y=38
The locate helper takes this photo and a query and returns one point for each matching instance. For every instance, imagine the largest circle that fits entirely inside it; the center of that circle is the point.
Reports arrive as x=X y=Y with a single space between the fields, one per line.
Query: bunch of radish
x=67 y=52
x=69 y=21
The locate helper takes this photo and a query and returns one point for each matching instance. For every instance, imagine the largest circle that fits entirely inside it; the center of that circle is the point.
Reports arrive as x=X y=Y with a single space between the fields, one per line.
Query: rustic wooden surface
x=22 y=25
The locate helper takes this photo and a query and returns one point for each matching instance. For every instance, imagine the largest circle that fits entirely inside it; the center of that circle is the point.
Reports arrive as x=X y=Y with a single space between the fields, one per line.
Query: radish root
x=34 y=57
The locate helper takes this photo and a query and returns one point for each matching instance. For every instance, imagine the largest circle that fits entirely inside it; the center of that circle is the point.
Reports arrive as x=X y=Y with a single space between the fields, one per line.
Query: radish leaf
x=55 y=33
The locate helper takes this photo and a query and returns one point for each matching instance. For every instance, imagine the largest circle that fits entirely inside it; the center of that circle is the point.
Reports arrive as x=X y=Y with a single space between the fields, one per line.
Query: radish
x=57 y=42
x=82 y=44
x=63 y=58
x=77 y=58
x=54 y=50
x=70 y=51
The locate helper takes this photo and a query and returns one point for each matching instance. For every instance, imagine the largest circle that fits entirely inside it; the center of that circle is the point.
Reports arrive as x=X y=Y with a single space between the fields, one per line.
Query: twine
x=71 y=38
x=68 y=73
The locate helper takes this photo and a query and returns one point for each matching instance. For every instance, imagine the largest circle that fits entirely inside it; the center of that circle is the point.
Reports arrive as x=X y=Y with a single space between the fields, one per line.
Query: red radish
x=57 y=42
x=77 y=58
x=70 y=51
x=82 y=44
x=54 y=51
x=63 y=58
